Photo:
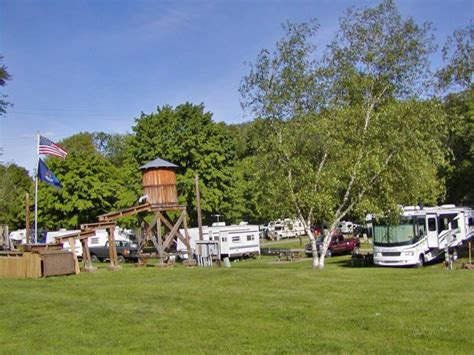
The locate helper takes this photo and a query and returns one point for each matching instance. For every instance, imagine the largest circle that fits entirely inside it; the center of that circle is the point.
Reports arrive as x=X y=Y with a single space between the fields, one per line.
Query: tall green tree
x=455 y=79
x=460 y=140
x=14 y=183
x=458 y=59
x=342 y=138
x=91 y=186
x=188 y=137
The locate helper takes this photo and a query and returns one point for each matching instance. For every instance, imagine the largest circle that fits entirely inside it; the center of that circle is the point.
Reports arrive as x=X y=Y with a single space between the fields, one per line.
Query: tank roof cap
x=158 y=163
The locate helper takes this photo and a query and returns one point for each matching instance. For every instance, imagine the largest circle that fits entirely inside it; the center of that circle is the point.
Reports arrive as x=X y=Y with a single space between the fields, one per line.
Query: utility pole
x=198 y=206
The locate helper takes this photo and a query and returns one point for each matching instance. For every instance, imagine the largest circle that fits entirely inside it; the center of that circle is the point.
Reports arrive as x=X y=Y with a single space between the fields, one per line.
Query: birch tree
x=347 y=131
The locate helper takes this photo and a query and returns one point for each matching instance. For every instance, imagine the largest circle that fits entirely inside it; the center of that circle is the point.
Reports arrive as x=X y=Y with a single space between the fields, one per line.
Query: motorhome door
x=224 y=241
x=432 y=233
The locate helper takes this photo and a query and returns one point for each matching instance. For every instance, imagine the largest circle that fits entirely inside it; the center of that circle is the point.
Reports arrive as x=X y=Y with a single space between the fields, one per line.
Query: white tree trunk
x=327 y=240
x=312 y=239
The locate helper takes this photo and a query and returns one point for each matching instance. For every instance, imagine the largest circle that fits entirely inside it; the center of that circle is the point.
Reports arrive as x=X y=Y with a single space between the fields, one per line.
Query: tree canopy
x=14 y=183
x=91 y=186
x=188 y=137
x=345 y=130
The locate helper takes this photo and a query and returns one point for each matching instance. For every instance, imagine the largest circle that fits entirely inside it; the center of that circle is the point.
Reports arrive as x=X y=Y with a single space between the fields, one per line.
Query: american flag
x=48 y=147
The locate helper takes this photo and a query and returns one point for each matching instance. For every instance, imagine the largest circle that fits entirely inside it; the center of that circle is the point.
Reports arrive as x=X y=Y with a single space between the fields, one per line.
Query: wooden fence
x=18 y=265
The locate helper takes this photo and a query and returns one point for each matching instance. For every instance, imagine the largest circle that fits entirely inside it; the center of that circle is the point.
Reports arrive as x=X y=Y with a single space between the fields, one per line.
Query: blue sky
x=95 y=65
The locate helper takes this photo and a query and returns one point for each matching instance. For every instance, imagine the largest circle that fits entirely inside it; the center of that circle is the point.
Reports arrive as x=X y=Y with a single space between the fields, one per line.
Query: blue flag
x=44 y=174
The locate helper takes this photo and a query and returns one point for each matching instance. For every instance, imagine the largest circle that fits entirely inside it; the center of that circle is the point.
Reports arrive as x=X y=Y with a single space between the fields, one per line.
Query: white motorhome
x=421 y=235
x=286 y=228
x=233 y=240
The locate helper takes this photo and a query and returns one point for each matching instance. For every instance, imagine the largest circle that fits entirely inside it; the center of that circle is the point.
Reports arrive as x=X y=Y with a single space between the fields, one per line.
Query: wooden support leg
x=114 y=266
x=160 y=239
x=174 y=231
x=86 y=258
x=72 y=247
x=188 y=245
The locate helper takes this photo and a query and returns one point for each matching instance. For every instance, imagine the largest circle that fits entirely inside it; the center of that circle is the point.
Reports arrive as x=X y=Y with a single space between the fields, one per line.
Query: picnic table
x=290 y=254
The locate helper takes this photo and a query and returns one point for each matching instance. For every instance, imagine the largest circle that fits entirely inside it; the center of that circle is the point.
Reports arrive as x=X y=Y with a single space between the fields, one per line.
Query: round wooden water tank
x=159 y=185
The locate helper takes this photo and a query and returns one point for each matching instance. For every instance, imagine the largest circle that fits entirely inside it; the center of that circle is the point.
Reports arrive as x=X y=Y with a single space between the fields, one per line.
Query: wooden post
x=113 y=266
x=72 y=247
x=160 y=240
x=185 y=224
x=86 y=257
x=198 y=207
x=27 y=217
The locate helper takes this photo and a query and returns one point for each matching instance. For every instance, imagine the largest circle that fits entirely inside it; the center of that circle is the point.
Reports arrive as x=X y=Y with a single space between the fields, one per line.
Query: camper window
x=224 y=239
x=95 y=240
x=444 y=220
x=431 y=224
x=250 y=237
x=421 y=227
x=236 y=239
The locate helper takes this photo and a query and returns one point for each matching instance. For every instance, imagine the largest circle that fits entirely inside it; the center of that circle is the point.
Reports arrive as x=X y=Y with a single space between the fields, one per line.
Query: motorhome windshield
x=408 y=231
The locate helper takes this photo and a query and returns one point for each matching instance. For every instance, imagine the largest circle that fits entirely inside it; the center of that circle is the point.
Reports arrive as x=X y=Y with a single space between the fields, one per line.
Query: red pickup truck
x=338 y=245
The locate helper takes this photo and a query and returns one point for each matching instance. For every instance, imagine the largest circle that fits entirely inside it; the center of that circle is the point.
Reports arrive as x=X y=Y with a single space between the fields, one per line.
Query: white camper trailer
x=233 y=241
x=100 y=238
x=286 y=228
x=421 y=235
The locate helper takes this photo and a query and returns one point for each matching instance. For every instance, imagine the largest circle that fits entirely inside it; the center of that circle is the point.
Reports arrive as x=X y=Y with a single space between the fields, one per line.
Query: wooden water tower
x=159 y=182
x=169 y=222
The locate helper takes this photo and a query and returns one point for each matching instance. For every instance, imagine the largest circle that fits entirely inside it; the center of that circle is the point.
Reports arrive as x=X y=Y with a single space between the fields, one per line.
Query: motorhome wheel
x=421 y=261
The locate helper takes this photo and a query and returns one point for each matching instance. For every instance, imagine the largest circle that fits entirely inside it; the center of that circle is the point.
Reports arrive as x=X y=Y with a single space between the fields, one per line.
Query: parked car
x=338 y=245
x=126 y=251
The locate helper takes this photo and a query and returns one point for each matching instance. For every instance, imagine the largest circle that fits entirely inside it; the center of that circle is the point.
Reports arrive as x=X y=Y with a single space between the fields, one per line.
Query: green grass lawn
x=254 y=307
x=294 y=243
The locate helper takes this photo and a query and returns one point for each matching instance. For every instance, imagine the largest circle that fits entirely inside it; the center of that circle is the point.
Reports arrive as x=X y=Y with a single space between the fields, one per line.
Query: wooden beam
x=124 y=213
x=79 y=235
x=99 y=225
x=174 y=230
x=170 y=207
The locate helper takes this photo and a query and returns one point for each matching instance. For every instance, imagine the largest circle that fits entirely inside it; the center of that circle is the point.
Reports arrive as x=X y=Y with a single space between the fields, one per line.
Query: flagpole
x=36 y=190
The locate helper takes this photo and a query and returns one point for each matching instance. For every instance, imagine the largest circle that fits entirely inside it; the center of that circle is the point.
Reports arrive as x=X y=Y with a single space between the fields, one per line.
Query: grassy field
x=254 y=307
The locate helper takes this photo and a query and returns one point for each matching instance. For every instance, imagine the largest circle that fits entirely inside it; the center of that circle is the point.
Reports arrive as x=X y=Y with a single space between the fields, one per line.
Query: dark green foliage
x=188 y=137
x=460 y=174
x=14 y=183
x=91 y=186
x=114 y=147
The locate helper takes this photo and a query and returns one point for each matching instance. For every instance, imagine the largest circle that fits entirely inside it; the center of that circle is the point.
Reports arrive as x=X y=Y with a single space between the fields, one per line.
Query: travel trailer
x=233 y=240
x=100 y=238
x=421 y=234
x=347 y=227
x=286 y=228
